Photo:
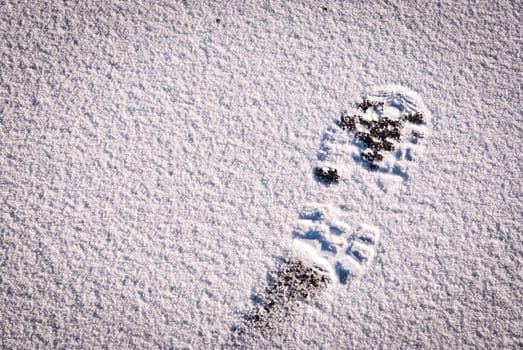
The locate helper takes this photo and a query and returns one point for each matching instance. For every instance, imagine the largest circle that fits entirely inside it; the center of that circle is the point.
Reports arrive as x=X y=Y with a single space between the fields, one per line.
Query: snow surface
x=156 y=156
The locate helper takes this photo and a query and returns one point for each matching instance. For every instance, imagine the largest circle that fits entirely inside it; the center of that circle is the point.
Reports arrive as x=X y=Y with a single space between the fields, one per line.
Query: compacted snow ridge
x=179 y=174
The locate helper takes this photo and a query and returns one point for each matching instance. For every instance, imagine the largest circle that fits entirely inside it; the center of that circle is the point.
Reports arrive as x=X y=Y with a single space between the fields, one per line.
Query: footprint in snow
x=381 y=135
x=379 y=139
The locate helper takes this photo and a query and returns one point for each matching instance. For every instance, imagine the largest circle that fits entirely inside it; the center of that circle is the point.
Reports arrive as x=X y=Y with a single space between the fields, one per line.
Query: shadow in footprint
x=343 y=273
x=315 y=215
x=373 y=167
x=317 y=236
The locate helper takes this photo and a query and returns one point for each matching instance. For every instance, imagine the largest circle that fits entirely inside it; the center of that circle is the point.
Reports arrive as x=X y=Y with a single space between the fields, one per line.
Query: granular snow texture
x=155 y=157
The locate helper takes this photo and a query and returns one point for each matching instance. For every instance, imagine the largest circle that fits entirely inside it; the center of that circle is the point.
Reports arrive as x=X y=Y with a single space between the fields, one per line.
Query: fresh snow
x=157 y=164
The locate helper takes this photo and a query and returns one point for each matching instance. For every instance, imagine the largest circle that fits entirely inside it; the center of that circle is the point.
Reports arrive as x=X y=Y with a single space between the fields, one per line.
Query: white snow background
x=155 y=155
